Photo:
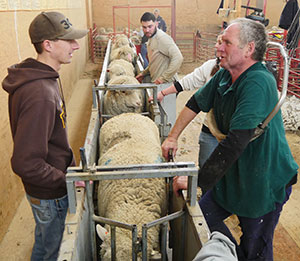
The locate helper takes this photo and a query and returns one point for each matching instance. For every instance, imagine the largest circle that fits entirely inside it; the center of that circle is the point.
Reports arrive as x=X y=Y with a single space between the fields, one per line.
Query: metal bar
x=260 y=129
x=113 y=243
x=89 y=195
x=164 y=165
x=173 y=20
x=144 y=242
x=104 y=87
x=192 y=189
x=164 y=219
x=183 y=236
x=71 y=197
x=83 y=159
x=284 y=84
x=132 y=174
x=112 y=222
x=134 y=243
x=92 y=45
x=163 y=247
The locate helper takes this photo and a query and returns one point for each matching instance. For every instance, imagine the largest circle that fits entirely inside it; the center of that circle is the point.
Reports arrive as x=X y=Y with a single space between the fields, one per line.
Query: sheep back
x=127 y=126
x=132 y=201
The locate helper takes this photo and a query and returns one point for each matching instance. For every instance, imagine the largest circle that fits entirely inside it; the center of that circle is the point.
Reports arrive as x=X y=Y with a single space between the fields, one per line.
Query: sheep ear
x=101 y=231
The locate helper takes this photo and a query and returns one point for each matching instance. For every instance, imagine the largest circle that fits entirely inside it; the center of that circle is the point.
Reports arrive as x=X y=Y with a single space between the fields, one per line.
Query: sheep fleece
x=132 y=201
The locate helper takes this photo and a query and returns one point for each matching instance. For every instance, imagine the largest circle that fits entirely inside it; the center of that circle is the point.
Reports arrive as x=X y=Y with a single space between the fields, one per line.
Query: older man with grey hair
x=251 y=179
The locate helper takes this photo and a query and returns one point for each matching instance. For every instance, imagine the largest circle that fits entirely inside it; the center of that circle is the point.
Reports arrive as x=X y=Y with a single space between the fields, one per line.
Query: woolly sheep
x=116 y=102
x=119 y=41
x=124 y=127
x=124 y=52
x=101 y=43
x=101 y=30
x=134 y=201
x=109 y=30
x=120 y=67
x=136 y=39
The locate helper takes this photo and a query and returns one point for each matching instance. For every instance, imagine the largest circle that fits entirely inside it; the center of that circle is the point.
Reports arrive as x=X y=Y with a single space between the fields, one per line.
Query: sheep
x=120 y=67
x=136 y=39
x=124 y=52
x=120 y=40
x=101 y=30
x=132 y=201
x=109 y=30
x=116 y=102
x=101 y=43
x=121 y=128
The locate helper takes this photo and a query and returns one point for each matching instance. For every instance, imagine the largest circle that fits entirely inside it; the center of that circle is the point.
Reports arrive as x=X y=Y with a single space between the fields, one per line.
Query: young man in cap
x=41 y=153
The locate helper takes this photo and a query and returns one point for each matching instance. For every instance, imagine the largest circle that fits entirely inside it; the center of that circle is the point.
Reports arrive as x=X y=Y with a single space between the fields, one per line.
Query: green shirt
x=257 y=180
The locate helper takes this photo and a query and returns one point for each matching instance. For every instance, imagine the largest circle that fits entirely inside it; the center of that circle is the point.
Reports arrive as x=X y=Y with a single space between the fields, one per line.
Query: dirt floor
x=17 y=244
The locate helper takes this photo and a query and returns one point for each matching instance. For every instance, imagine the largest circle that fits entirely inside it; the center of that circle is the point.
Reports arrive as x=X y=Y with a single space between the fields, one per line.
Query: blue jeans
x=207 y=143
x=49 y=216
x=144 y=54
x=256 y=243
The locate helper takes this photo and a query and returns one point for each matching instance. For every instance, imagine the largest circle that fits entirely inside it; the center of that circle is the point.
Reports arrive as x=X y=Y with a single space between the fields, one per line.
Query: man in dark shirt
x=161 y=24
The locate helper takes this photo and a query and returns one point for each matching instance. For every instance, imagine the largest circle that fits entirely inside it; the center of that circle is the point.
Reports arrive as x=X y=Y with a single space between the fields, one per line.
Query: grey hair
x=251 y=31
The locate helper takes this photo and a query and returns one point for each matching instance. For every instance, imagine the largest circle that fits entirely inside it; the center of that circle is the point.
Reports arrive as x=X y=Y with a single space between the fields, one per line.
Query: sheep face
x=117 y=102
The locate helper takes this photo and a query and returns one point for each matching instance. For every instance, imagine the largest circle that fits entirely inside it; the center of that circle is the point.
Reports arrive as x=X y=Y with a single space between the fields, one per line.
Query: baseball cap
x=53 y=26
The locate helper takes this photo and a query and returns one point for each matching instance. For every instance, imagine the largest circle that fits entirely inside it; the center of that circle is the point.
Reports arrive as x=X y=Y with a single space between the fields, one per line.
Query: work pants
x=256 y=243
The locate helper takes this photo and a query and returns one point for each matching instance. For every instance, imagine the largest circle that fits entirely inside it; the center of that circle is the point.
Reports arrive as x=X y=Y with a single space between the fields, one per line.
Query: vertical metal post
x=144 y=242
x=113 y=243
x=134 y=243
x=89 y=194
x=192 y=189
x=114 y=21
x=128 y=14
x=71 y=197
x=173 y=20
x=163 y=247
x=183 y=236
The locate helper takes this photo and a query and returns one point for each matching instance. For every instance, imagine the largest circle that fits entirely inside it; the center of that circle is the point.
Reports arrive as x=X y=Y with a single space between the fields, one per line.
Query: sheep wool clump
x=132 y=201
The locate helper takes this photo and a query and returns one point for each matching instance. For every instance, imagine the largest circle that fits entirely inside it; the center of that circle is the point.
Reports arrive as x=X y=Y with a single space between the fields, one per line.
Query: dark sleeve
x=192 y=104
x=288 y=14
x=222 y=158
x=163 y=25
x=178 y=86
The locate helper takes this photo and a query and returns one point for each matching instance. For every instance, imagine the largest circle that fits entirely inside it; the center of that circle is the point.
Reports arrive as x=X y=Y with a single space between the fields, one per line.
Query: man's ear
x=251 y=48
x=156 y=23
x=47 y=45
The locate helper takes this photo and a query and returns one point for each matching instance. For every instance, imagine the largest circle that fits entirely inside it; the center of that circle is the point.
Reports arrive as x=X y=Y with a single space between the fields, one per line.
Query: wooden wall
x=15 y=46
x=190 y=15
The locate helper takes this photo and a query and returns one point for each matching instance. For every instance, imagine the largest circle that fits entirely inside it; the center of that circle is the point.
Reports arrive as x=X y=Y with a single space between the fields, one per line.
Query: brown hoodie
x=41 y=151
